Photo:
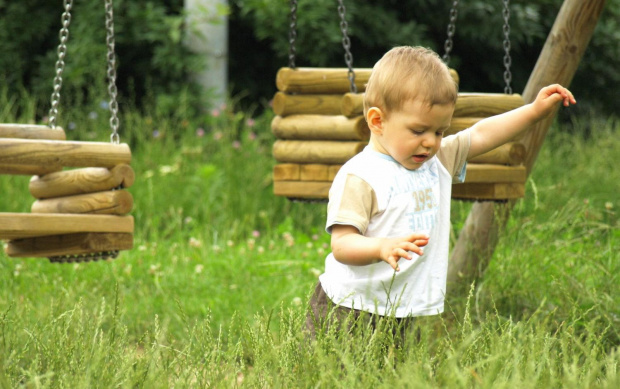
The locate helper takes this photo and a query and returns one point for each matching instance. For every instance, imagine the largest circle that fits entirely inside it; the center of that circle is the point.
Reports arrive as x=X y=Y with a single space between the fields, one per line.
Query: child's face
x=411 y=135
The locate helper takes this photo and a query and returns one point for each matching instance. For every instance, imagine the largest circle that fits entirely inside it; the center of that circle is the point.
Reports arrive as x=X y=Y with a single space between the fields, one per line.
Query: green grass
x=215 y=290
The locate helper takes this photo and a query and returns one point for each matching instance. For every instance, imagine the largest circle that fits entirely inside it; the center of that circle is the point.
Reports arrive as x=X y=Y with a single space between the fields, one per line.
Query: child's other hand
x=393 y=249
x=549 y=96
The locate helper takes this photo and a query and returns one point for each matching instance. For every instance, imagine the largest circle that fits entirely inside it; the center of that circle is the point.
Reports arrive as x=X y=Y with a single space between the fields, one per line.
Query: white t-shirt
x=381 y=198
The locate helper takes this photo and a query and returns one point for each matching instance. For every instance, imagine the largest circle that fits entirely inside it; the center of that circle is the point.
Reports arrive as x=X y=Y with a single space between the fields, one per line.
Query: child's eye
x=417 y=132
x=439 y=133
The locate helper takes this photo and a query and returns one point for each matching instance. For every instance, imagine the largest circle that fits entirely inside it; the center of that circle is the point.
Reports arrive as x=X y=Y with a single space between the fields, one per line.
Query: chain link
x=113 y=92
x=451 y=30
x=507 y=58
x=60 y=63
x=292 y=35
x=346 y=43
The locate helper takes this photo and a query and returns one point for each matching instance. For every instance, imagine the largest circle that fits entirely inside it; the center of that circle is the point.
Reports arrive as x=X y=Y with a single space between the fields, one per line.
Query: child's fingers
x=563 y=94
x=410 y=247
x=569 y=98
x=421 y=242
x=393 y=261
x=417 y=237
x=401 y=253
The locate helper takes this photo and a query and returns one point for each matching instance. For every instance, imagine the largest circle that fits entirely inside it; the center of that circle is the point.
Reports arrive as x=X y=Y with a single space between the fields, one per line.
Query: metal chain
x=447 y=46
x=84 y=257
x=507 y=58
x=114 y=123
x=60 y=63
x=292 y=35
x=109 y=27
x=346 y=43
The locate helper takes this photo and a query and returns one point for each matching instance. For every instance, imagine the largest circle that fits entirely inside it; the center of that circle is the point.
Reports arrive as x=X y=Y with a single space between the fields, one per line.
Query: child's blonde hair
x=405 y=73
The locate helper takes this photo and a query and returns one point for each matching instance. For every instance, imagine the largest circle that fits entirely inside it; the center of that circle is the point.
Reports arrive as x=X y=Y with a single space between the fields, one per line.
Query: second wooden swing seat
x=77 y=212
x=319 y=126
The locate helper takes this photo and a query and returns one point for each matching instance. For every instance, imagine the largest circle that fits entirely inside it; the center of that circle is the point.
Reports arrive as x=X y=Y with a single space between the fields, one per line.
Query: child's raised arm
x=352 y=248
x=494 y=131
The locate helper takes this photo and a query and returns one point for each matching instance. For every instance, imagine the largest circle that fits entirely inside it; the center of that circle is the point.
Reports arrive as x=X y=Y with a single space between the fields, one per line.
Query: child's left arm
x=494 y=131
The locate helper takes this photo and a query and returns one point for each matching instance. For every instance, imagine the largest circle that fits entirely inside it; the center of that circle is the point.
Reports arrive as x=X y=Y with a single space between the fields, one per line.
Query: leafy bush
x=153 y=64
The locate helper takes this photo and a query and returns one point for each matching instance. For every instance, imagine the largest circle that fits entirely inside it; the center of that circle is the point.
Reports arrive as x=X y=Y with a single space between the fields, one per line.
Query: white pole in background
x=207 y=35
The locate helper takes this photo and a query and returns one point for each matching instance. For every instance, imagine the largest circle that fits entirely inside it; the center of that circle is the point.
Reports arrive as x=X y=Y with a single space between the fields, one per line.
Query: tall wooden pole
x=557 y=63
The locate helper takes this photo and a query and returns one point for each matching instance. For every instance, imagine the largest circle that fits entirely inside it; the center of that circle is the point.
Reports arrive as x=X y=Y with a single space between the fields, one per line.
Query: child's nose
x=429 y=141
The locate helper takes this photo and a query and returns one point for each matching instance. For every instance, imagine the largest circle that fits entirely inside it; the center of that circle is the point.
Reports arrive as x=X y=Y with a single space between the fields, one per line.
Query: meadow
x=214 y=292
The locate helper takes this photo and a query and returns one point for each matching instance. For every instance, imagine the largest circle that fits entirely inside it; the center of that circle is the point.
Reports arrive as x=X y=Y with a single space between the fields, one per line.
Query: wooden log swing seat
x=79 y=214
x=319 y=125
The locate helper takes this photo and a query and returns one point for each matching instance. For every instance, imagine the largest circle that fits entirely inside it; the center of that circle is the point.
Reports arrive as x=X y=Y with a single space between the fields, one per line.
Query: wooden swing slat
x=338 y=152
x=285 y=105
x=114 y=202
x=305 y=172
x=64 y=153
x=70 y=244
x=461 y=123
x=29 y=225
x=319 y=80
x=286 y=172
x=476 y=173
x=486 y=104
x=474 y=191
x=512 y=153
x=316 y=172
x=81 y=181
x=482 y=182
x=28 y=170
x=320 y=127
x=489 y=191
x=467 y=104
x=31 y=131
x=326 y=152
x=488 y=174
x=324 y=80
x=302 y=189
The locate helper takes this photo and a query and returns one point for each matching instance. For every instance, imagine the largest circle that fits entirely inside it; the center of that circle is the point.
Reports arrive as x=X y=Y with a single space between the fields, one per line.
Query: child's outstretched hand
x=549 y=96
x=393 y=249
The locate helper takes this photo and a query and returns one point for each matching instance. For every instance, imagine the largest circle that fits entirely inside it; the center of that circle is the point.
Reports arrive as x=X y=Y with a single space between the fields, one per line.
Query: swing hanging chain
x=84 y=257
x=60 y=63
x=111 y=57
x=507 y=58
x=451 y=30
x=292 y=35
x=346 y=43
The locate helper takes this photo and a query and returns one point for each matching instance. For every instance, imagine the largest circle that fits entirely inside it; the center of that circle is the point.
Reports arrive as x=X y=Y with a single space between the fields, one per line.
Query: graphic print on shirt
x=422 y=190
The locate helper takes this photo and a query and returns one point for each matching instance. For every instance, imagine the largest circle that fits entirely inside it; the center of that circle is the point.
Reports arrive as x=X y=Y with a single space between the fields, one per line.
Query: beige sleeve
x=354 y=205
x=453 y=154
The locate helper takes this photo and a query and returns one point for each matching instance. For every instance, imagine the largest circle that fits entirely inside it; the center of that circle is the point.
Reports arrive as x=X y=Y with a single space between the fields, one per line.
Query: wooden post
x=557 y=63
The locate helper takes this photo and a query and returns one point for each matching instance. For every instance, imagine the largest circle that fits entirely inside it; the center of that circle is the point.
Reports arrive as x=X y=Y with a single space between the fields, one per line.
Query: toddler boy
x=389 y=206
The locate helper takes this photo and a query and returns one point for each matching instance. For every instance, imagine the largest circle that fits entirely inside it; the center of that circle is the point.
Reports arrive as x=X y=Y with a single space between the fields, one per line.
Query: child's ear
x=374 y=118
